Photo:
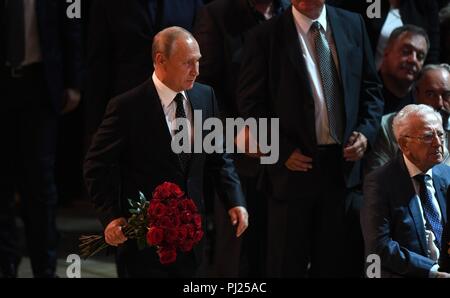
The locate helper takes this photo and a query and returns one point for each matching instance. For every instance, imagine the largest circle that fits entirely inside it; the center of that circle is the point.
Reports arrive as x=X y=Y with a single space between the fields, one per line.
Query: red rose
x=182 y=234
x=176 y=221
x=197 y=221
x=187 y=245
x=198 y=236
x=186 y=217
x=155 y=236
x=165 y=222
x=190 y=205
x=173 y=205
x=167 y=255
x=184 y=204
x=156 y=209
x=190 y=230
x=171 y=235
x=167 y=190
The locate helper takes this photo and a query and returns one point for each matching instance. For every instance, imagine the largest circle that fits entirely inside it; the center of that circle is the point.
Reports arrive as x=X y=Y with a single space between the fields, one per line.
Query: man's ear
x=160 y=59
x=403 y=145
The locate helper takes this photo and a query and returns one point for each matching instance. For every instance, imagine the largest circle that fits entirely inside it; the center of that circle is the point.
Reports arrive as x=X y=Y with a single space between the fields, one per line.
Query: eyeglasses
x=429 y=137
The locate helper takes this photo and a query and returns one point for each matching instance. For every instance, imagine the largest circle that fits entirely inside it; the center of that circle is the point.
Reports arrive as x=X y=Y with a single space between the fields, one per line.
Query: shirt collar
x=166 y=95
x=305 y=23
x=413 y=170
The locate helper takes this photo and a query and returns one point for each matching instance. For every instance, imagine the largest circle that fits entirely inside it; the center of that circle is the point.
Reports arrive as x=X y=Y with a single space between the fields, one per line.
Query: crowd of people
x=363 y=106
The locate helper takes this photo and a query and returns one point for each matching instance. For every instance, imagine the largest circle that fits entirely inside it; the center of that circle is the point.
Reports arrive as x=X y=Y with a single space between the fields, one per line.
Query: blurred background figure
x=444 y=19
x=394 y=14
x=220 y=31
x=432 y=88
x=40 y=68
x=403 y=59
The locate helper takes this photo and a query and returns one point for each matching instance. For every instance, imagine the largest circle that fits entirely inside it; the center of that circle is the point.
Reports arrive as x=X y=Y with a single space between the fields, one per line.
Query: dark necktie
x=430 y=212
x=330 y=83
x=181 y=113
x=15 y=34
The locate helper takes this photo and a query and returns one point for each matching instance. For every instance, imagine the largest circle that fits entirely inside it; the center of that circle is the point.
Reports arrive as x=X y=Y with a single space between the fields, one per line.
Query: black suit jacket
x=131 y=152
x=61 y=47
x=417 y=12
x=119 y=47
x=391 y=220
x=220 y=31
x=274 y=83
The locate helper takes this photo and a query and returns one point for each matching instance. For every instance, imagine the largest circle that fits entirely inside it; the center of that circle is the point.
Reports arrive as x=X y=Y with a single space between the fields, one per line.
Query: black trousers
x=28 y=128
x=145 y=263
x=308 y=235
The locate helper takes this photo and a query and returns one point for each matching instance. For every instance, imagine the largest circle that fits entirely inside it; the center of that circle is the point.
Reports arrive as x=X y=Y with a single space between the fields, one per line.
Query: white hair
x=401 y=125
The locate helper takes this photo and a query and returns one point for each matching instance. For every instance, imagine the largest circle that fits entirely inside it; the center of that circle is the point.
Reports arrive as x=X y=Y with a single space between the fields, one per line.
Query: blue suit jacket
x=391 y=220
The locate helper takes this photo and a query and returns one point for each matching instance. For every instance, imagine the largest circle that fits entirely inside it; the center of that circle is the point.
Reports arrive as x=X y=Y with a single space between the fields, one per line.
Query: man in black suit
x=404 y=207
x=131 y=152
x=403 y=59
x=220 y=31
x=40 y=79
x=324 y=132
x=119 y=41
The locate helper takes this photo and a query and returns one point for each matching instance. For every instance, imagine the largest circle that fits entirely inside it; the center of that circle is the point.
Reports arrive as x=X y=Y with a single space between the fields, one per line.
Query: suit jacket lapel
x=439 y=186
x=292 y=45
x=406 y=187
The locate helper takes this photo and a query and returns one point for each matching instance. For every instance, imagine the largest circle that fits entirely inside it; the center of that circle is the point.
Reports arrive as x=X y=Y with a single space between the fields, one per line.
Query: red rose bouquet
x=170 y=222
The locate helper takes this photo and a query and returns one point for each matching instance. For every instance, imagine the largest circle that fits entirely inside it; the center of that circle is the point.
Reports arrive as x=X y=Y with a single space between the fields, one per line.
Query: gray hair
x=164 y=40
x=401 y=123
x=412 y=29
x=428 y=67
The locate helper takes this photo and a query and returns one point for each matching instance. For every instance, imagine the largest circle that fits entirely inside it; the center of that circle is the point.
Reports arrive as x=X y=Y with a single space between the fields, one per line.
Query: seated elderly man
x=404 y=207
x=432 y=88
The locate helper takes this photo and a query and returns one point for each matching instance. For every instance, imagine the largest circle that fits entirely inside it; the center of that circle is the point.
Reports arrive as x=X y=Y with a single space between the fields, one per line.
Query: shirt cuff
x=433 y=271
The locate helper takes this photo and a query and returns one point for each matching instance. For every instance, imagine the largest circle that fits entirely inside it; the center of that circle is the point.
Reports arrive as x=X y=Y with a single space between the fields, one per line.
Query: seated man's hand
x=298 y=162
x=239 y=216
x=442 y=275
x=71 y=100
x=113 y=232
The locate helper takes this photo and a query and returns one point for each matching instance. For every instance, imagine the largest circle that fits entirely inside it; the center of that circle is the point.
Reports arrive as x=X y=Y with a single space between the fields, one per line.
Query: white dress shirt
x=432 y=250
x=303 y=24
x=167 y=96
x=32 y=45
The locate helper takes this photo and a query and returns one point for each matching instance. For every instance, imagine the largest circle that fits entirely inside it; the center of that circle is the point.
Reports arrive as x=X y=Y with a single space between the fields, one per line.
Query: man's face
x=404 y=57
x=307 y=5
x=433 y=89
x=181 y=67
x=424 y=146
